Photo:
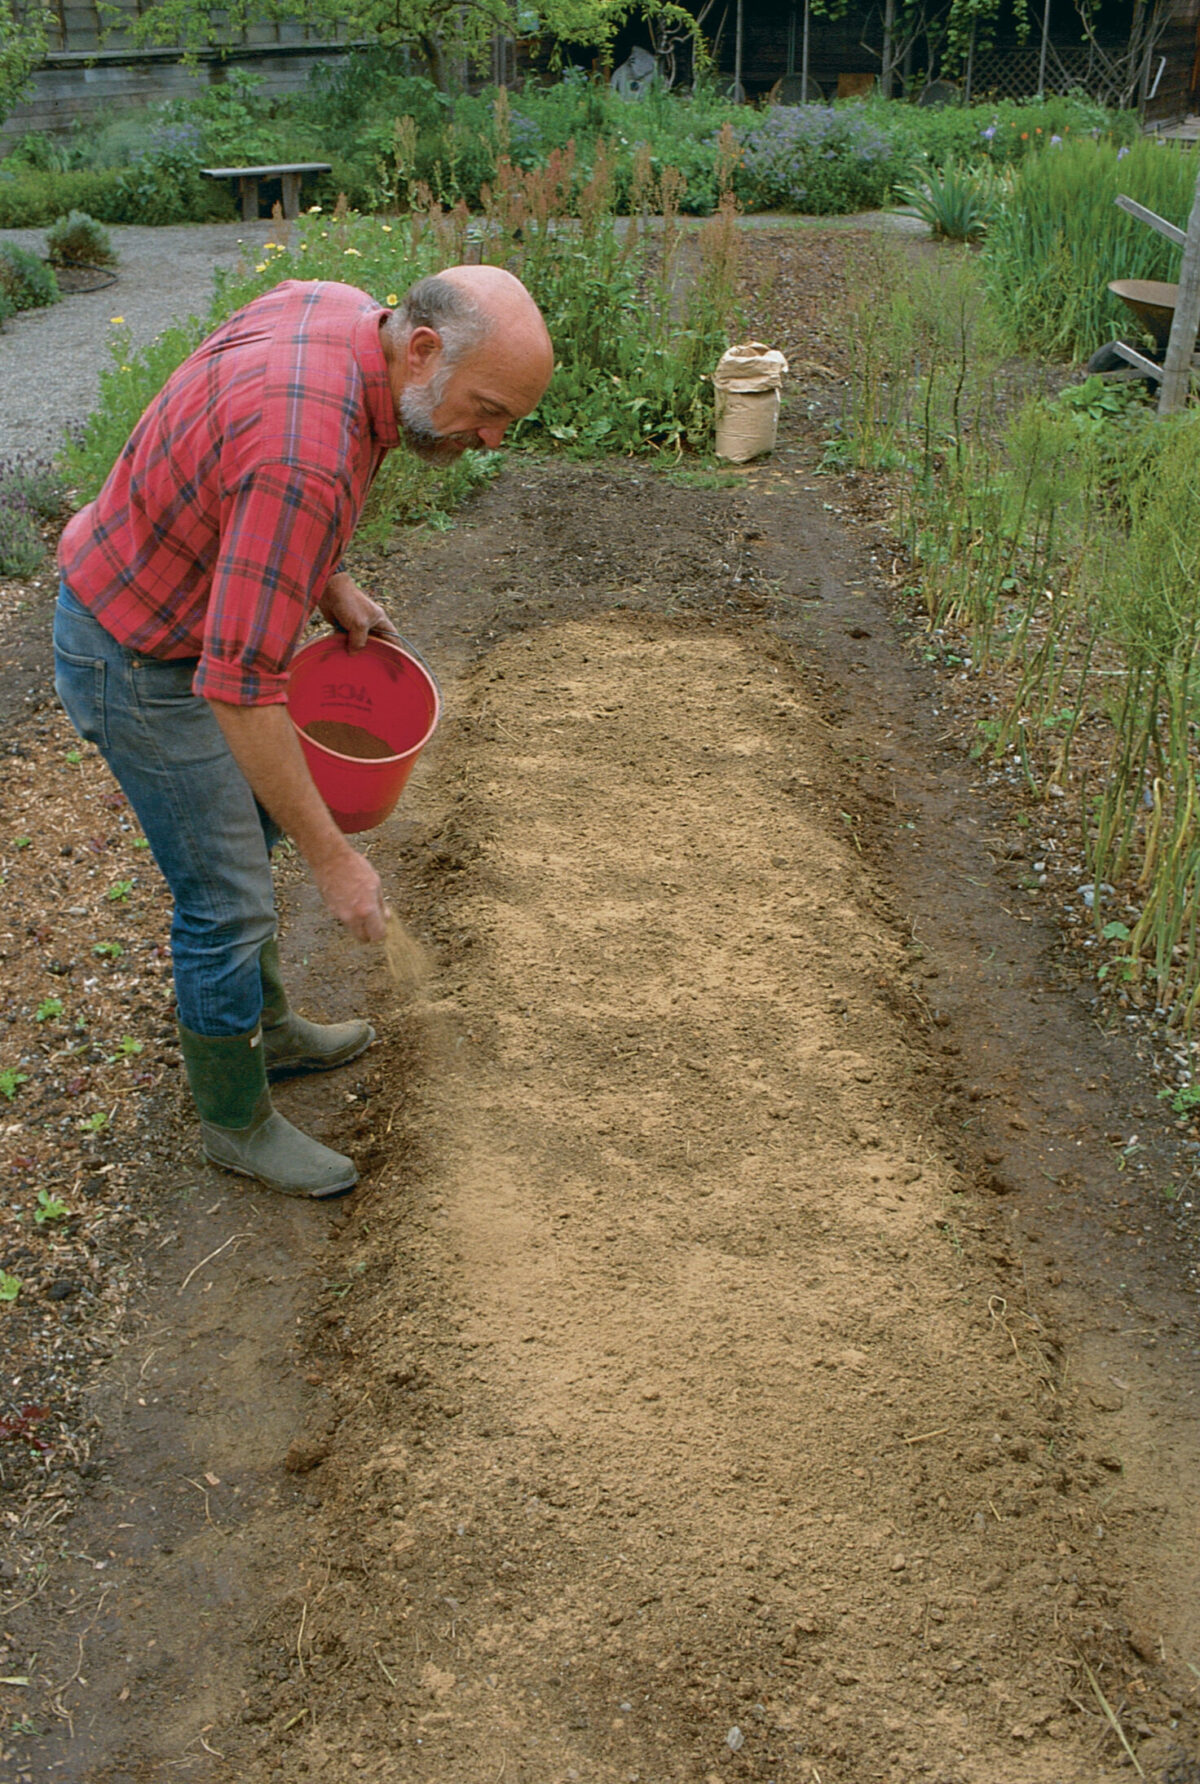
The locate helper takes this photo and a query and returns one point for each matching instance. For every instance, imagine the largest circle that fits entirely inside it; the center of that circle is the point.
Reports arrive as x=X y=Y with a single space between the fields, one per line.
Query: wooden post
x=739 y=92
x=1041 y=92
x=1177 y=365
x=804 y=56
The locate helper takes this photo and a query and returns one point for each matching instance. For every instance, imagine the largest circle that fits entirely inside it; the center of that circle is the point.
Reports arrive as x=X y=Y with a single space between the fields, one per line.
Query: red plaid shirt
x=239 y=489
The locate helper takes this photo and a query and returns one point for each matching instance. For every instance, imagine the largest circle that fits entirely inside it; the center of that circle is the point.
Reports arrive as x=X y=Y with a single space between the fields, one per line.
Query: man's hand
x=265 y=747
x=352 y=611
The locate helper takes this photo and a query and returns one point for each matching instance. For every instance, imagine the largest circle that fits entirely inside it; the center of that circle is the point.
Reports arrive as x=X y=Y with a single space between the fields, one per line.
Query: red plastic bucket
x=363 y=720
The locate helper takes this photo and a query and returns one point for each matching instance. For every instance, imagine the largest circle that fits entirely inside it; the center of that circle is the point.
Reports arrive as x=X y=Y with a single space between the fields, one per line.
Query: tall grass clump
x=1060 y=237
x=1058 y=535
x=1145 y=820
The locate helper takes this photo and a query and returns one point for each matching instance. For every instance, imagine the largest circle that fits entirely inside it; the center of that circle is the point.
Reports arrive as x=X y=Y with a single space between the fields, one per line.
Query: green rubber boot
x=294 y=1044
x=240 y=1128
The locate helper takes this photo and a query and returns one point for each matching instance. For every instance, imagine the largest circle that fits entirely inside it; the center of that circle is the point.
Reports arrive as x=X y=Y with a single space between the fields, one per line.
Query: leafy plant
x=957 y=205
x=108 y=950
x=10 y=1286
x=10 y=1080
x=27 y=282
x=118 y=892
x=78 y=240
x=95 y=1123
x=49 y=1208
x=48 y=1009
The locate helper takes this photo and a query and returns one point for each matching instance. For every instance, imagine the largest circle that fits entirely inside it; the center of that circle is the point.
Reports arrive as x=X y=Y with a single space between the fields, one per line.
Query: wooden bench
x=289 y=174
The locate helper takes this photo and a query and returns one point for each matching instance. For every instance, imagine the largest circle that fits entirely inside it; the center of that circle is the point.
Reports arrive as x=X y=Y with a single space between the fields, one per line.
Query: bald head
x=468 y=353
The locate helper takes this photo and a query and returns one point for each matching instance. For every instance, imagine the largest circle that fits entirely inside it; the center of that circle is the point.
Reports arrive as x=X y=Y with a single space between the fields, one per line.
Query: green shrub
x=1002 y=133
x=821 y=159
x=164 y=184
x=27 y=282
x=78 y=240
x=33 y=200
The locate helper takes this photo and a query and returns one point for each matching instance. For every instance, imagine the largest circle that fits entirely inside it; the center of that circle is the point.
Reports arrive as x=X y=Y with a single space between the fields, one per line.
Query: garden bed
x=755 y=1349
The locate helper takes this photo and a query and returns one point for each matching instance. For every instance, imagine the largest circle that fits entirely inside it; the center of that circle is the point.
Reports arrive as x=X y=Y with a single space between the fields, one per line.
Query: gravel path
x=51 y=360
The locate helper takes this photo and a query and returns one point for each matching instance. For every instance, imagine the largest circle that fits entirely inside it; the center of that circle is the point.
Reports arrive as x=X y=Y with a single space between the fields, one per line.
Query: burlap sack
x=747 y=381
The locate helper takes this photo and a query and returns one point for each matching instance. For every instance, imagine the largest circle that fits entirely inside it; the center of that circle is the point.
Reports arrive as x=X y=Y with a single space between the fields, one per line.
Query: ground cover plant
x=1054 y=532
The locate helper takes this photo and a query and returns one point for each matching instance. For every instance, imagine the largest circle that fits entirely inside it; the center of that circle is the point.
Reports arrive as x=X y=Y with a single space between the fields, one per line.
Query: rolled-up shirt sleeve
x=281 y=540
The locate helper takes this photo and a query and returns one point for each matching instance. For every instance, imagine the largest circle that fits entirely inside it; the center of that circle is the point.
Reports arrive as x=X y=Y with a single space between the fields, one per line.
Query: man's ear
x=422 y=350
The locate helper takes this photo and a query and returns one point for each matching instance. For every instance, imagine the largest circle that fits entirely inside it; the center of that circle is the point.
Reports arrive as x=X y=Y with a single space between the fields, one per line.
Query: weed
x=49 y=1208
x=118 y=892
x=10 y=1286
x=48 y=1009
x=10 y=1080
x=108 y=950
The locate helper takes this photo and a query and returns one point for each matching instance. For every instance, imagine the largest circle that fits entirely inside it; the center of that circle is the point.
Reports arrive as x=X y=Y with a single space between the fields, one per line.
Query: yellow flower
x=391 y=299
x=386 y=228
x=261 y=267
x=116 y=321
x=353 y=251
x=267 y=245
x=314 y=210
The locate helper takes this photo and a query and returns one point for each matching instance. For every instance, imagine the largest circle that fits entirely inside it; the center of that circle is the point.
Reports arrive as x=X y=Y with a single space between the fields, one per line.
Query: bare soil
x=760 y=1347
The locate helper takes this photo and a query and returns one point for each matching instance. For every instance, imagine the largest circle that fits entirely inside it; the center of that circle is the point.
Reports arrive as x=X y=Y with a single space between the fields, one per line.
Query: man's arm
x=264 y=745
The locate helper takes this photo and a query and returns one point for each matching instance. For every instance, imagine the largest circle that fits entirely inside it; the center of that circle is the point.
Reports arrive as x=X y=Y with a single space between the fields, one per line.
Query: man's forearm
x=263 y=743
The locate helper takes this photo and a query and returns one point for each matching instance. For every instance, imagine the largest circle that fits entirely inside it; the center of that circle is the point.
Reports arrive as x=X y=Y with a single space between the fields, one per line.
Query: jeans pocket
x=79 y=682
x=159 y=683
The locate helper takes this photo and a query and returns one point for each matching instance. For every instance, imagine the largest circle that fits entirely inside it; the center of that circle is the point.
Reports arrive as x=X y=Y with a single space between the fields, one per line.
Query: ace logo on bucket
x=344 y=693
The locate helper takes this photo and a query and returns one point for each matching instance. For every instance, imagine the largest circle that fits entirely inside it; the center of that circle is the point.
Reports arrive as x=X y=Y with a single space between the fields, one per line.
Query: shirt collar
x=381 y=405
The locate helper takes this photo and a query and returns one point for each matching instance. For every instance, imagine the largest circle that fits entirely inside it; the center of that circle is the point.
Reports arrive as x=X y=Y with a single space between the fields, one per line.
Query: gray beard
x=415 y=410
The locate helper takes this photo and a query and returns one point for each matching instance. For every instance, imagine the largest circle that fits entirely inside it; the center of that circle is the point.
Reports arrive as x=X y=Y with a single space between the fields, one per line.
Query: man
x=187 y=586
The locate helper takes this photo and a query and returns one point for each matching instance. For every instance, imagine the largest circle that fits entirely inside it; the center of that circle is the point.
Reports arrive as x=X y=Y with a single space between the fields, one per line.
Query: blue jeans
x=209 y=835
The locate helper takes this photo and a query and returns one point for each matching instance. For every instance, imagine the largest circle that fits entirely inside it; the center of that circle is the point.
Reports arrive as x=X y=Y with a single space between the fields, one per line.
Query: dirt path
x=745 y=1357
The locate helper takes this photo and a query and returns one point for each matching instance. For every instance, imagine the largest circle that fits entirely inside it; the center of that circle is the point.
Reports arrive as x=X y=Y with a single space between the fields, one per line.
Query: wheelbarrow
x=1153 y=303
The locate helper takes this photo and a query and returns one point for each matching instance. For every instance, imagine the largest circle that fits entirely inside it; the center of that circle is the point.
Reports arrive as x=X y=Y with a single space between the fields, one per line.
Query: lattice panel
x=1013 y=74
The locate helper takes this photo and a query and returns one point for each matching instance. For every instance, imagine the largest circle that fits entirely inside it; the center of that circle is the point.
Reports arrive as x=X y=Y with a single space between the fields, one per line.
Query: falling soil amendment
x=348 y=740
x=759 y=1348
x=407 y=961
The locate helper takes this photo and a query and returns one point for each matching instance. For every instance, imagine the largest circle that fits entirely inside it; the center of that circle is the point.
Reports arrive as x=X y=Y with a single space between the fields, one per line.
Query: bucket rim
x=403 y=649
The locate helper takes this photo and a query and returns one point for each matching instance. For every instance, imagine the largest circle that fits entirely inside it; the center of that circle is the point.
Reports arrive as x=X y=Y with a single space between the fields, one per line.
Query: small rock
x=305 y=1454
x=735 y=1740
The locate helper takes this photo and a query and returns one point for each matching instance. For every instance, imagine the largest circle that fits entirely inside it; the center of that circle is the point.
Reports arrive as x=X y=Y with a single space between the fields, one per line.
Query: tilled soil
x=754 y=1350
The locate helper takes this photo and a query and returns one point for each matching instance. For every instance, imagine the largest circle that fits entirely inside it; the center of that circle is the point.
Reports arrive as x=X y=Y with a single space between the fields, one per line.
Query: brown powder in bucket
x=348 y=740
x=407 y=960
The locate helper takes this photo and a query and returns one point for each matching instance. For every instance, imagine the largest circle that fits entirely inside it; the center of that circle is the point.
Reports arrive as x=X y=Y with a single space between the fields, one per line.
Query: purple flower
x=988 y=133
x=1055 y=139
x=1121 y=153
